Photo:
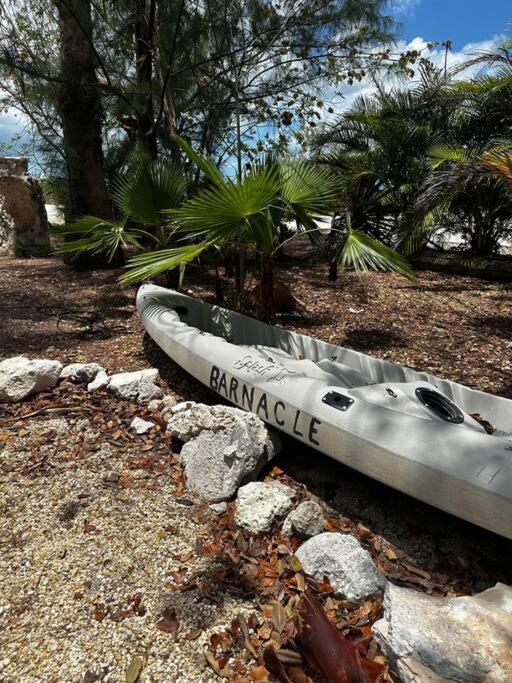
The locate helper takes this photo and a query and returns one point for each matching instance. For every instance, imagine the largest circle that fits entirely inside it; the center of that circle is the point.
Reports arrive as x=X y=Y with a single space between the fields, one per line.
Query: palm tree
x=247 y=211
x=465 y=185
x=250 y=211
x=468 y=183
x=377 y=149
x=140 y=195
x=427 y=160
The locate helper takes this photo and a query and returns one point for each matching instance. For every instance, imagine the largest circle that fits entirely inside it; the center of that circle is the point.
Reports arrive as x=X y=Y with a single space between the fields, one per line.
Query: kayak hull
x=363 y=412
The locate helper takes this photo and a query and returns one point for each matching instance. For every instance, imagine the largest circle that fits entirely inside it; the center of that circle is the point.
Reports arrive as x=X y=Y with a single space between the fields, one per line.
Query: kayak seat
x=350 y=377
x=335 y=374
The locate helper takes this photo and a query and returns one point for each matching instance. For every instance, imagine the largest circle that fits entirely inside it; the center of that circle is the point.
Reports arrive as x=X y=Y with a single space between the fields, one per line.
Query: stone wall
x=23 y=219
x=13 y=166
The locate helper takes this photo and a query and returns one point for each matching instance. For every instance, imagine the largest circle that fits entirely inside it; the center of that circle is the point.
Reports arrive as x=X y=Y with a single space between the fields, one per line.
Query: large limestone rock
x=467 y=639
x=224 y=448
x=81 y=373
x=260 y=504
x=139 y=384
x=346 y=564
x=188 y=423
x=23 y=219
x=305 y=521
x=21 y=377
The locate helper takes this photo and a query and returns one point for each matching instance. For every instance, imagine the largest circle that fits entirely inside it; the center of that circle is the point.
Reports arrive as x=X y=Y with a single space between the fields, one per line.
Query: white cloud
x=344 y=101
x=9 y=125
x=404 y=7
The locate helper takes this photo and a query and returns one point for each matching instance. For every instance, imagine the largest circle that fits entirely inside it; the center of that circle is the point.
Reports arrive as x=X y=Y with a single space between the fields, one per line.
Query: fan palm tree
x=471 y=185
x=250 y=211
x=377 y=150
x=140 y=195
x=247 y=211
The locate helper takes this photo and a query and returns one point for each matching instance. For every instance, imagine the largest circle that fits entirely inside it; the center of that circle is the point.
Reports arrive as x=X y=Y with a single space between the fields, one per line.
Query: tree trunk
x=483 y=243
x=144 y=31
x=172 y=278
x=332 y=253
x=81 y=111
x=219 y=291
x=229 y=262
x=240 y=270
x=266 y=306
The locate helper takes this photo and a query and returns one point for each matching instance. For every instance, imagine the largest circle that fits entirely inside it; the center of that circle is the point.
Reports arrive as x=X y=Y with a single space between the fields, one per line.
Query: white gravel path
x=71 y=545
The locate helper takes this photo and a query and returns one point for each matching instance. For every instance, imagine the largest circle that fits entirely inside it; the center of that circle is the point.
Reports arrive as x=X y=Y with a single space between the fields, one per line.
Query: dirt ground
x=81 y=521
x=457 y=327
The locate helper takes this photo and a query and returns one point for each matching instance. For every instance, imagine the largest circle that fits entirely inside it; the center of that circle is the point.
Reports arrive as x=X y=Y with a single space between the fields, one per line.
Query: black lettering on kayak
x=313 y=430
x=247 y=396
x=214 y=376
x=282 y=405
x=262 y=405
x=233 y=386
x=223 y=385
x=295 y=430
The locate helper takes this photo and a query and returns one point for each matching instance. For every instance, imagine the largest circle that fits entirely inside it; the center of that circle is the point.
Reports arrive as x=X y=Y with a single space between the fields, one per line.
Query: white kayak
x=407 y=429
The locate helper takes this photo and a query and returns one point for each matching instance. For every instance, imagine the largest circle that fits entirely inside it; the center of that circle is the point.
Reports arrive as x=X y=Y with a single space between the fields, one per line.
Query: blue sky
x=462 y=21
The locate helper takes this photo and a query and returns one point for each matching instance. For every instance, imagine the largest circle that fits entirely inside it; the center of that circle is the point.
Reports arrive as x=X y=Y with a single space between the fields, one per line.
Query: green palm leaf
x=441 y=154
x=95 y=235
x=308 y=188
x=226 y=211
x=207 y=166
x=145 y=191
x=151 y=264
x=364 y=253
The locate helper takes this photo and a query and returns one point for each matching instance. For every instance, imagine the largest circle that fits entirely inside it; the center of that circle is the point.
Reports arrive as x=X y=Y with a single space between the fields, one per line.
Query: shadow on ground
x=440 y=542
x=369 y=340
x=47 y=304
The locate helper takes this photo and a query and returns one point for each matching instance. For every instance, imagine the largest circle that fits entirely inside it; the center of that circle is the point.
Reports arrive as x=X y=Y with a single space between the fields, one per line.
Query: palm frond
x=444 y=153
x=499 y=161
x=207 y=166
x=153 y=263
x=364 y=253
x=95 y=235
x=220 y=213
x=417 y=227
x=308 y=188
x=149 y=188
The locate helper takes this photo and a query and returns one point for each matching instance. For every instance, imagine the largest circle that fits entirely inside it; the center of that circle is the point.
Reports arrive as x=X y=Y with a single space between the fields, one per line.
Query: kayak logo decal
x=292 y=420
x=270 y=371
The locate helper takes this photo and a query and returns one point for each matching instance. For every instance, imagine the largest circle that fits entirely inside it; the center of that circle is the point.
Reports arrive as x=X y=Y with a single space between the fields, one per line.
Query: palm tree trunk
x=172 y=279
x=229 y=262
x=267 y=312
x=219 y=291
x=332 y=254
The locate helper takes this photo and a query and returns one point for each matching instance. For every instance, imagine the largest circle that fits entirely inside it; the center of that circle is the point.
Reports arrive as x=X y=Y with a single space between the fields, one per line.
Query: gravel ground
x=88 y=567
